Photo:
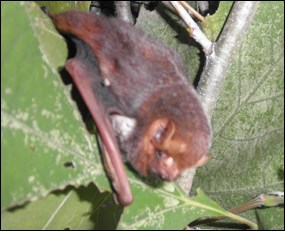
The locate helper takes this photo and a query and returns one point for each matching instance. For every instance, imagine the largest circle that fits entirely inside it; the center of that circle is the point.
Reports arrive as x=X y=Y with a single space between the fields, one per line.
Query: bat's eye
x=159 y=154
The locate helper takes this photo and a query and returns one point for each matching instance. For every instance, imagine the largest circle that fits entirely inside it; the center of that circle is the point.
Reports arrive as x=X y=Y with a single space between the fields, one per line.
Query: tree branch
x=218 y=63
x=123 y=11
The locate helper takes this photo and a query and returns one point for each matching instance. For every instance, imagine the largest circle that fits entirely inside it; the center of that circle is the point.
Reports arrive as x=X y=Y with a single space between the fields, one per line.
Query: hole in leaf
x=69 y=164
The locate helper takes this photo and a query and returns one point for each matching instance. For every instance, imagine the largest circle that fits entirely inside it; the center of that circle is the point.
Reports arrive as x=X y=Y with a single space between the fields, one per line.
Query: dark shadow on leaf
x=259 y=221
x=171 y=18
x=281 y=174
x=104 y=214
x=66 y=79
x=204 y=224
x=17 y=207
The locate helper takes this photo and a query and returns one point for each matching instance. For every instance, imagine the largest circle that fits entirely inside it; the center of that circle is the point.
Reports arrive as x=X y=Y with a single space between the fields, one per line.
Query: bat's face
x=164 y=166
x=168 y=149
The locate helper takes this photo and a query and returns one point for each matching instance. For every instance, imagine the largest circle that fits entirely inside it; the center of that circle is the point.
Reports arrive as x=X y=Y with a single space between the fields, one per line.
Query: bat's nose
x=166 y=169
x=164 y=166
x=169 y=175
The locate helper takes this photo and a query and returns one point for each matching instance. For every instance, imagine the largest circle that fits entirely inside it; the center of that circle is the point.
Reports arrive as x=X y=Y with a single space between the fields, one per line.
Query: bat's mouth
x=167 y=176
x=164 y=167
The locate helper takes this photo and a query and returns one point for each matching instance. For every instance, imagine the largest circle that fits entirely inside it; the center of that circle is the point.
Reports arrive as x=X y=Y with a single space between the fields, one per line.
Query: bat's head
x=169 y=148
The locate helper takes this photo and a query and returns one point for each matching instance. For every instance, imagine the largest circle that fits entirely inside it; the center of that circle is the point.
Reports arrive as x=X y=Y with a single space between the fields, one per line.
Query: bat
x=137 y=92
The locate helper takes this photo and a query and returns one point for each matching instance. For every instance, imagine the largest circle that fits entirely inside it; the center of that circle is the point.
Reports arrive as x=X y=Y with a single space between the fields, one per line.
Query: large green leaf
x=167 y=207
x=86 y=208
x=55 y=7
x=83 y=208
x=41 y=130
x=248 y=122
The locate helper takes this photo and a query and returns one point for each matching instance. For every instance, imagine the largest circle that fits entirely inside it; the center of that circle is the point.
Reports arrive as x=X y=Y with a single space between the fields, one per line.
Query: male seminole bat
x=138 y=95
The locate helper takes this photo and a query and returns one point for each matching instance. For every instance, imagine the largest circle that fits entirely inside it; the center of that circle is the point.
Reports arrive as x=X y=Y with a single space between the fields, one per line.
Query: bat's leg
x=112 y=154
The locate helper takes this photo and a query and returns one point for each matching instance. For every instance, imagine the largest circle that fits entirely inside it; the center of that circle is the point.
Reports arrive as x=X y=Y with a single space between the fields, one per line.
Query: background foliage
x=45 y=146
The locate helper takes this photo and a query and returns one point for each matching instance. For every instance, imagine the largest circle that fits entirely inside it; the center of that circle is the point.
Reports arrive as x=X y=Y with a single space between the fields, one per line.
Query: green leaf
x=44 y=144
x=166 y=207
x=214 y=23
x=248 y=122
x=55 y=7
x=80 y=209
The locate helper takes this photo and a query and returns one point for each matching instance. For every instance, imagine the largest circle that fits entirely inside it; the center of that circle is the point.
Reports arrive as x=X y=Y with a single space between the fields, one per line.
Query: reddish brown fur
x=147 y=83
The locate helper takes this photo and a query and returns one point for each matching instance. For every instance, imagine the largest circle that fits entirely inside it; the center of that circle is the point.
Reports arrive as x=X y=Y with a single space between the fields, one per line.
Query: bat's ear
x=160 y=131
x=164 y=137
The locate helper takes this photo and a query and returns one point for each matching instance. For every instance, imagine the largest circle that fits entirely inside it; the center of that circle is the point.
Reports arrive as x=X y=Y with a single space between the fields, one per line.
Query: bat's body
x=140 y=87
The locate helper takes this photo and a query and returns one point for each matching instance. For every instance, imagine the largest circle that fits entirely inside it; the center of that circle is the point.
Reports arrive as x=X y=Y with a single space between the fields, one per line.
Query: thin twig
x=192 y=11
x=195 y=31
x=123 y=11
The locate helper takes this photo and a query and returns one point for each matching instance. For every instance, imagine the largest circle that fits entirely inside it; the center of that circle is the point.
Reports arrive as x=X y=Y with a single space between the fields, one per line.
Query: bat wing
x=85 y=74
x=111 y=154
